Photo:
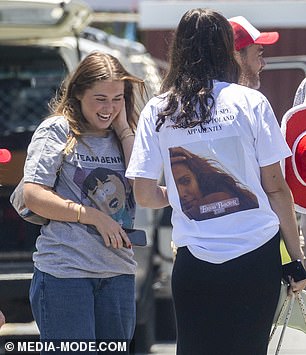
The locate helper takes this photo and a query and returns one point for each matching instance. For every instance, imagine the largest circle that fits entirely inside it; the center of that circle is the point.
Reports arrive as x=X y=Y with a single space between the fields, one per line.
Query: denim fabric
x=84 y=308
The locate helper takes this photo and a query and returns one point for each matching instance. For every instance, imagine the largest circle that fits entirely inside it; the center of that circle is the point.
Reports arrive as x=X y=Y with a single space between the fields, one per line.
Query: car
x=40 y=43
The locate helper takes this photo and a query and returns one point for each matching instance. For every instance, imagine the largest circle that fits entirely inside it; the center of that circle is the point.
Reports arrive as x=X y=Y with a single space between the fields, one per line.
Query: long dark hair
x=211 y=178
x=202 y=51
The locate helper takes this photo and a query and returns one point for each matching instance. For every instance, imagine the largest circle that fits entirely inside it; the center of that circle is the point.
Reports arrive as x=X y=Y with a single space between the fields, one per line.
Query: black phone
x=295 y=269
x=137 y=236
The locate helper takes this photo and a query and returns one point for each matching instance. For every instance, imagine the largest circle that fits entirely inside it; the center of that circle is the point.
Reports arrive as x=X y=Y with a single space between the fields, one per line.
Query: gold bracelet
x=121 y=134
x=127 y=135
x=79 y=212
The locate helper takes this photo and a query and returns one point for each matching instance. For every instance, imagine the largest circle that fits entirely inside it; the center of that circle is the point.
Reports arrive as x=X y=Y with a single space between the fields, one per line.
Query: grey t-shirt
x=94 y=176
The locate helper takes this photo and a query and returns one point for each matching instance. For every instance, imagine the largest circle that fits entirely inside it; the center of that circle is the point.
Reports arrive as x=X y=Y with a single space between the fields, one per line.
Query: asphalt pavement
x=294 y=343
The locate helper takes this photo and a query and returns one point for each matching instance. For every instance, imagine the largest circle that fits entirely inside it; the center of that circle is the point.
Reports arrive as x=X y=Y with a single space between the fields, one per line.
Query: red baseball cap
x=5 y=156
x=246 y=34
x=293 y=127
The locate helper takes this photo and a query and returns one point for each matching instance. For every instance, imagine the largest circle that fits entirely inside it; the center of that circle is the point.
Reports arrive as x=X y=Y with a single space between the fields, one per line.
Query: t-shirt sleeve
x=146 y=159
x=270 y=144
x=45 y=153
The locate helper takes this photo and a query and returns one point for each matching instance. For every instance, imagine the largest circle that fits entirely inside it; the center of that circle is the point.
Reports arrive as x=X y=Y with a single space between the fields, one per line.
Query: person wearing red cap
x=249 y=44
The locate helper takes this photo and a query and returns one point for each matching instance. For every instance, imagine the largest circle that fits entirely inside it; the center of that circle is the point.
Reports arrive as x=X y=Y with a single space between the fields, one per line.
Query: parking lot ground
x=163 y=349
x=294 y=343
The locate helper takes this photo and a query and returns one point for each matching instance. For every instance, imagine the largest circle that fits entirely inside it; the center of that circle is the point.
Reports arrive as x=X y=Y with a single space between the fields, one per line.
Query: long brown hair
x=202 y=51
x=96 y=66
x=211 y=178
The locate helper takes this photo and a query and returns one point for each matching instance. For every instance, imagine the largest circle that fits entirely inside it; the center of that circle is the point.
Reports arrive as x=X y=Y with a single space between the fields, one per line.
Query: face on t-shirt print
x=205 y=190
x=105 y=189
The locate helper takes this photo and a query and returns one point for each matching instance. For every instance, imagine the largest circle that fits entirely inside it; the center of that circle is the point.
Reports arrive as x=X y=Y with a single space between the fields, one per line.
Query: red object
x=246 y=34
x=294 y=129
x=5 y=156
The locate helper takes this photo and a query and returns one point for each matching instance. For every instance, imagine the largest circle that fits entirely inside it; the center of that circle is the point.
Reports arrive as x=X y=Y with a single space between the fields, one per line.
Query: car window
x=29 y=78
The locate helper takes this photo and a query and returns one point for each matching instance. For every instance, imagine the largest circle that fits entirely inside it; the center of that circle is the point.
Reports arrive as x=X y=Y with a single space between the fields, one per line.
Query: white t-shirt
x=220 y=210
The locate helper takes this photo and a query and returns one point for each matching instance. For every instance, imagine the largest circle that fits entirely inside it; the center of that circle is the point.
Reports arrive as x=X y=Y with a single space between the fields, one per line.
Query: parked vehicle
x=40 y=43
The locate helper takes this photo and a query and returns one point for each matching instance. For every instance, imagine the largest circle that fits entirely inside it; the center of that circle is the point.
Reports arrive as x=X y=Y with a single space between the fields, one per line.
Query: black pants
x=226 y=309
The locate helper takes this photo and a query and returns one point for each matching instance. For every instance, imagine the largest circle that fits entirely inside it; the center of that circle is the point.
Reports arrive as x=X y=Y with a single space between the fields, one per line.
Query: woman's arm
x=125 y=135
x=45 y=202
x=148 y=193
x=281 y=201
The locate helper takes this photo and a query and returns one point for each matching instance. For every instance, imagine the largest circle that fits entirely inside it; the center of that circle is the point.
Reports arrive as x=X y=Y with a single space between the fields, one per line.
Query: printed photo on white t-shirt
x=205 y=189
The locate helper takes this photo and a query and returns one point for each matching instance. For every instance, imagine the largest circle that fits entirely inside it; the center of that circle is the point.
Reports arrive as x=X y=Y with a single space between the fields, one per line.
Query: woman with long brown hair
x=84 y=279
x=227 y=272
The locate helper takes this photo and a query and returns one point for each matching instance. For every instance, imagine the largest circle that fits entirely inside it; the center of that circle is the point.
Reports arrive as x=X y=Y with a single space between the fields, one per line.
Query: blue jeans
x=83 y=308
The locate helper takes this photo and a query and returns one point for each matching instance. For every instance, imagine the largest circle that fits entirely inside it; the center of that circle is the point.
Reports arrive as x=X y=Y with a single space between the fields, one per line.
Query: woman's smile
x=102 y=103
x=104 y=117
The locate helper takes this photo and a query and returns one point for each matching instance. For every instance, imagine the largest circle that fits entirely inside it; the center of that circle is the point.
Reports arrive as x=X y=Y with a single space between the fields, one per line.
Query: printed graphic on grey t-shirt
x=108 y=191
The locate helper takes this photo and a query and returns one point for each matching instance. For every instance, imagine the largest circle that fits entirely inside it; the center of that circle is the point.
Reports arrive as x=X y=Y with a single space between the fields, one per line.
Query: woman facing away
x=84 y=279
x=227 y=272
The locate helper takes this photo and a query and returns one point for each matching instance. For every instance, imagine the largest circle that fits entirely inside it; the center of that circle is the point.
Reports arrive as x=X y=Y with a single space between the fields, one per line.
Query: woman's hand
x=120 y=123
x=111 y=231
x=125 y=135
x=297 y=286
